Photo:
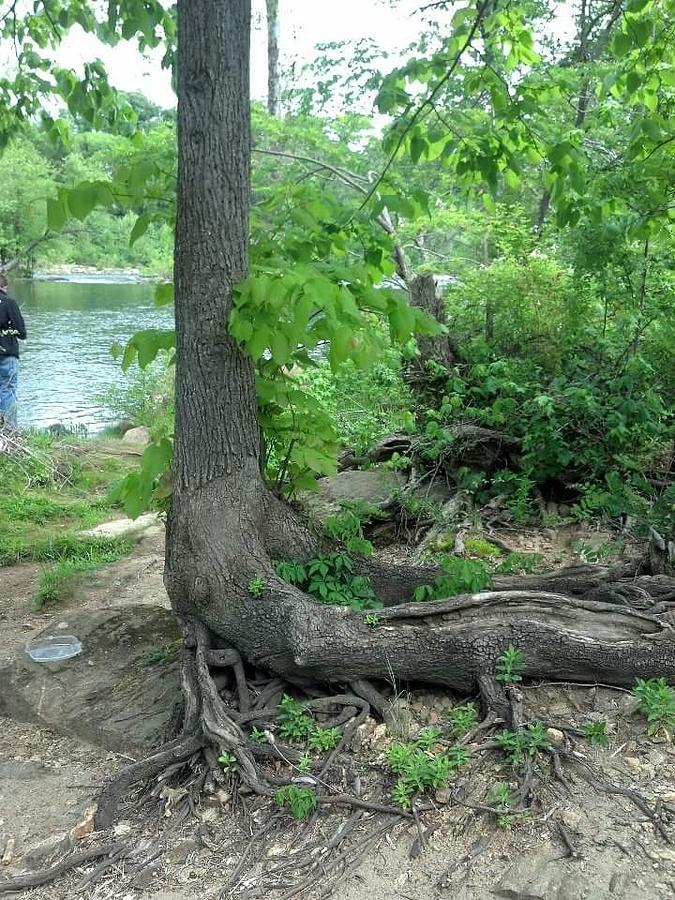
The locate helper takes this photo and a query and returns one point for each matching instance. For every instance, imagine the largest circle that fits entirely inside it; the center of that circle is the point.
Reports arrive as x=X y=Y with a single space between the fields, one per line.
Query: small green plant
x=460 y=576
x=372 y=620
x=331 y=579
x=292 y=572
x=502 y=801
x=427 y=737
x=419 y=769
x=596 y=733
x=398 y=463
x=228 y=761
x=257 y=587
x=305 y=764
x=463 y=718
x=294 y=722
x=258 y=736
x=517 y=744
x=519 y=564
x=500 y=797
x=322 y=740
x=347 y=527
x=510 y=665
x=300 y=801
x=155 y=656
x=657 y=702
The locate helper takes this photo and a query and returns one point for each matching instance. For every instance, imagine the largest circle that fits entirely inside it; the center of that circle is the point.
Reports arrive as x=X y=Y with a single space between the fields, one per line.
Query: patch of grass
x=155 y=656
x=56 y=583
x=52 y=489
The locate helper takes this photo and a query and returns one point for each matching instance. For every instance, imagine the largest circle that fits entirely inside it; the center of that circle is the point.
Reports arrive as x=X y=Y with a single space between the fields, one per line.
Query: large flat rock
x=118 y=694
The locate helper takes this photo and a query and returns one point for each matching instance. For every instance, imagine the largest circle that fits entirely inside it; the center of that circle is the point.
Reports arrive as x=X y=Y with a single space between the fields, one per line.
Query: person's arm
x=15 y=317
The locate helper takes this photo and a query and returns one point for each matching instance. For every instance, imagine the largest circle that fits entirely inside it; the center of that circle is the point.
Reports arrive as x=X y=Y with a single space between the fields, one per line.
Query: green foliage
x=596 y=733
x=657 y=702
x=322 y=740
x=257 y=587
x=519 y=564
x=516 y=745
x=419 y=769
x=347 y=527
x=300 y=801
x=478 y=546
x=510 y=665
x=331 y=579
x=294 y=722
x=462 y=718
x=461 y=576
x=372 y=620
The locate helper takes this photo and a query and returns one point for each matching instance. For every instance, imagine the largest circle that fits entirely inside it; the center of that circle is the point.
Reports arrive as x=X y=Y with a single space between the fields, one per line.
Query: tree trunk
x=273 y=72
x=225 y=527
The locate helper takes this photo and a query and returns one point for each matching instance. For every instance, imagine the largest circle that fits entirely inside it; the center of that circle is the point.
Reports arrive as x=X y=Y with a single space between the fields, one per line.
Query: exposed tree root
x=45 y=876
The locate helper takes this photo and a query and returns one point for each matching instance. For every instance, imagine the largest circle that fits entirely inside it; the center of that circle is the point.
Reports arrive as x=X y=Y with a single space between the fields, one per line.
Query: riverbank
x=75 y=272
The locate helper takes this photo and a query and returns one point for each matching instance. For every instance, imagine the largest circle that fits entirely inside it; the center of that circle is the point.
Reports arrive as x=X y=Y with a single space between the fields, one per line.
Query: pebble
x=555 y=735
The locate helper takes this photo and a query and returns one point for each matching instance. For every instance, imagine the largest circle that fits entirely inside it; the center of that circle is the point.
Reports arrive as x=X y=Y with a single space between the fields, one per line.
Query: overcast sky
x=304 y=23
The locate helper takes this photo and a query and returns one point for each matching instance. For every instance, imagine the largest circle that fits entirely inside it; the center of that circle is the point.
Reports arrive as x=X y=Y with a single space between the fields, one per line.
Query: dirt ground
x=580 y=841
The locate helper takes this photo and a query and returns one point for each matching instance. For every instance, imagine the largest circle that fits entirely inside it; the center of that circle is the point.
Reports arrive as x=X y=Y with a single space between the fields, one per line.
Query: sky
x=304 y=23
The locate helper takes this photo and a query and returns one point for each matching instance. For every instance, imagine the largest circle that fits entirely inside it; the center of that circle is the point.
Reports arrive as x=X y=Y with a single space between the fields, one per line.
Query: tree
x=273 y=69
x=225 y=527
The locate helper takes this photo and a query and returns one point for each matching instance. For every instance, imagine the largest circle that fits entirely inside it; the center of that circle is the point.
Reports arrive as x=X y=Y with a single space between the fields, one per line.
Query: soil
x=49 y=778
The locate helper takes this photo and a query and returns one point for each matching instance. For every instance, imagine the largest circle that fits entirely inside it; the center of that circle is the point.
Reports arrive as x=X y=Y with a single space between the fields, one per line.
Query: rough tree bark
x=225 y=527
x=273 y=71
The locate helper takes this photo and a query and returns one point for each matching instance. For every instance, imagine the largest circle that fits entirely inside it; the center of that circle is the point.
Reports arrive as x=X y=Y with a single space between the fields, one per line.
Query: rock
x=8 y=851
x=555 y=735
x=124 y=527
x=140 y=435
x=372 y=485
x=541 y=875
x=39 y=854
x=85 y=827
x=121 y=702
x=572 y=819
x=633 y=763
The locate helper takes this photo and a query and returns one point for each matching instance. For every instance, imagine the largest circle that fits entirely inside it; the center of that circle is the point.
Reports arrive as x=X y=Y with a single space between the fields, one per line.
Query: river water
x=72 y=323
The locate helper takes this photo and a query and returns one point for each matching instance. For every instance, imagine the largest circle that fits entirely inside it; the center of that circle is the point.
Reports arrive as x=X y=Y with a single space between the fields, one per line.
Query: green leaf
x=140 y=227
x=56 y=214
x=145 y=345
x=82 y=200
x=164 y=293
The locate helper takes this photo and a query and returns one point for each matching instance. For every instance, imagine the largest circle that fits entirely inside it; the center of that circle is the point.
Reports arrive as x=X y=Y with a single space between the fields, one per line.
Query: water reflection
x=66 y=361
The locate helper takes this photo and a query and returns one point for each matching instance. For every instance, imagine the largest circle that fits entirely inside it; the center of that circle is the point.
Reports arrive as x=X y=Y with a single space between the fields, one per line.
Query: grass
x=58 y=582
x=53 y=490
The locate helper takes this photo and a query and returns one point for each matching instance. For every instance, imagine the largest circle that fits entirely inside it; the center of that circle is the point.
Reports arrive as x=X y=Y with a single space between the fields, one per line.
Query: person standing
x=12 y=330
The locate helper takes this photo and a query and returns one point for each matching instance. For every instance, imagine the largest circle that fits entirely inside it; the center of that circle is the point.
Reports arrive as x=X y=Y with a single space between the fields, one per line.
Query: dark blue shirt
x=12 y=326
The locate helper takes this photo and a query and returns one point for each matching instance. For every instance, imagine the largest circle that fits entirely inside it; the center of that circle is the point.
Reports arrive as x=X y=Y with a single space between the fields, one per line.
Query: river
x=72 y=323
